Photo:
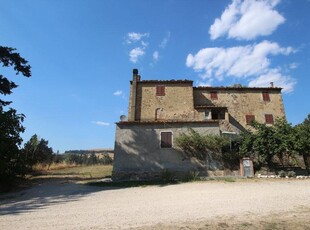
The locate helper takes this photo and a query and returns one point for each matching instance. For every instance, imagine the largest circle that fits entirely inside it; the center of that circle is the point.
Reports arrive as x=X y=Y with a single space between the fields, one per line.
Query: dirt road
x=205 y=205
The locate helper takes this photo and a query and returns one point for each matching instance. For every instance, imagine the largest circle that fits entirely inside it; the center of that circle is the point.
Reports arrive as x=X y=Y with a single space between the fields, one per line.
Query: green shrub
x=282 y=173
x=291 y=174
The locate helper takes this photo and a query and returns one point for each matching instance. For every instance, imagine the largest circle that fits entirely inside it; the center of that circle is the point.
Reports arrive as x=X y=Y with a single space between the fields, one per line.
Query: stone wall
x=177 y=104
x=138 y=154
x=241 y=102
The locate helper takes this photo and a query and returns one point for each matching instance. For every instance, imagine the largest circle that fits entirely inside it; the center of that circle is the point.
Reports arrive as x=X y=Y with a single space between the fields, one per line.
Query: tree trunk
x=306 y=161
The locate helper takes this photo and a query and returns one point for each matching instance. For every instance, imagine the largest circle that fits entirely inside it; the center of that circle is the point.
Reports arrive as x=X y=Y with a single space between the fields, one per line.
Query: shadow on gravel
x=130 y=184
x=44 y=192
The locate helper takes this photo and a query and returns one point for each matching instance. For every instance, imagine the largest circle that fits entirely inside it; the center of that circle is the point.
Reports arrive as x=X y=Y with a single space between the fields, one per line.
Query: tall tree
x=302 y=143
x=37 y=151
x=269 y=141
x=11 y=160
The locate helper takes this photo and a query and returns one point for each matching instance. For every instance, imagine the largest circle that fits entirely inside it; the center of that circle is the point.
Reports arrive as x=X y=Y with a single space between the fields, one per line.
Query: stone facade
x=175 y=106
x=139 y=155
x=237 y=103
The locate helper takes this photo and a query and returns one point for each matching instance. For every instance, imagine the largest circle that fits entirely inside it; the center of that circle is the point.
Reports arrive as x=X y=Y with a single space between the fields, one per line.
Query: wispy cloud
x=247 y=62
x=135 y=54
x=274 y=75
x=101 y=123
x=293 y=65
x=162 y=45
x=155 y=56
x=246 y=20
x=135 y=37
x=118 y=93
x=165 y=41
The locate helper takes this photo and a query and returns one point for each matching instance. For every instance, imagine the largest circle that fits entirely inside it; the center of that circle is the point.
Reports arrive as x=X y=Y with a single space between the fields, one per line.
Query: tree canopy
x=282 y=140
x=11 y=160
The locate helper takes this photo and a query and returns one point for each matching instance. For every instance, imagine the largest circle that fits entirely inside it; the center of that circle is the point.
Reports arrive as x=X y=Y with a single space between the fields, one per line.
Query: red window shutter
x=266 y=96
x=214 y=95
x=249 y=119
x=160 y=90
x=166 y=140
x=269 y=118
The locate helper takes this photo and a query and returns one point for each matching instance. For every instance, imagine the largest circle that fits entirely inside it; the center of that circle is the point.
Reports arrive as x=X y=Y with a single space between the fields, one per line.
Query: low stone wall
x=277 y=176
x=170 y=175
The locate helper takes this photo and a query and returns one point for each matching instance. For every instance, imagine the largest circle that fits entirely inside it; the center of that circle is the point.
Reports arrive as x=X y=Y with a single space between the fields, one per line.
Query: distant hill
x=100 y=152
x=88 y=151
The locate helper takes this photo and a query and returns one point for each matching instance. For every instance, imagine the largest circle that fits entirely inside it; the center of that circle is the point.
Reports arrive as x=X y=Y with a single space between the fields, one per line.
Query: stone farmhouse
x=159 y=111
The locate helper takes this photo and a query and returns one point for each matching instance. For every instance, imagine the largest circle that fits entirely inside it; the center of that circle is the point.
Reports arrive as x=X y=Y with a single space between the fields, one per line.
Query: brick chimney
x=133 y=95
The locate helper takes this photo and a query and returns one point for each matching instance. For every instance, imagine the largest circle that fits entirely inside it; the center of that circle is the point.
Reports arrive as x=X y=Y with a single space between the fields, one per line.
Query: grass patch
x=53 y=166
x=79 y=172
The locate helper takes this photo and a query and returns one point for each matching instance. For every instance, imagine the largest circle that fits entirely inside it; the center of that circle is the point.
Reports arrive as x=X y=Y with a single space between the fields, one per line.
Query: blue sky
x=82 y=54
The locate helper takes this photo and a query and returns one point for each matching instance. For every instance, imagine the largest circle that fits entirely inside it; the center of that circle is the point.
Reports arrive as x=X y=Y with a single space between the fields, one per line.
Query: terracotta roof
x=236 y=88
x=165 y=81
x=166 y=122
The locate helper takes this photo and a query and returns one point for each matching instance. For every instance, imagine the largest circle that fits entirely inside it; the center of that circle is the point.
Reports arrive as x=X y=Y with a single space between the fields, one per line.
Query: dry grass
x=53 y=166
x=297 y=220
x=77 y=172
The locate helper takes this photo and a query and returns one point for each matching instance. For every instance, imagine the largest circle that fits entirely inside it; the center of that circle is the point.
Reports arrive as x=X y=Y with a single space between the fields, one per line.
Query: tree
x=261 y=144
x=266 y=142
x=307 y=120
x=302 y=143
x=37 y=151
x=11 y=160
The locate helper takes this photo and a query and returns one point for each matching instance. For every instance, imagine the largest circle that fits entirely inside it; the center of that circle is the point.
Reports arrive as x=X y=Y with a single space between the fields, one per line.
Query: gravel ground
x=212 y=205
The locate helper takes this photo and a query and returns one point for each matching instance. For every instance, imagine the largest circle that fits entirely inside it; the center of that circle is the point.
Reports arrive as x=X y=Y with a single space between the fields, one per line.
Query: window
x=269 y=118
x=166 y=139
x=160 y=90
x=214 y=95
x=249 y=119
x=217 y=114
x=266 y=96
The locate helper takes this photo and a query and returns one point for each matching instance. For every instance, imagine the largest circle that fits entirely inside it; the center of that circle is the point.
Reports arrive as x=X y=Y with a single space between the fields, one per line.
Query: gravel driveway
x=67 y=205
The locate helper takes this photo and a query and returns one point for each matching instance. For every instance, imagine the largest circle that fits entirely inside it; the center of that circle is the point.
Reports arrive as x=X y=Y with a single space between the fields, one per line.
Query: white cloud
x=246 y=20
x=238 y=62
x=101 y=123
x=165 y=41
x=207 y=82
x=285 y=82
x=135 y=54
x=118 y=93
x=155 y=56
x=135 y=37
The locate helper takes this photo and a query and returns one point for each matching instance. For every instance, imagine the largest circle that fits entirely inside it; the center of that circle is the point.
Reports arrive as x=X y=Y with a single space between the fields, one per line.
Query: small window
x=214 y=96
x=160 y=90
x=269 y=118
x=166 y=139
x=266 y=96
x=249 y=119
x=217 y=114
